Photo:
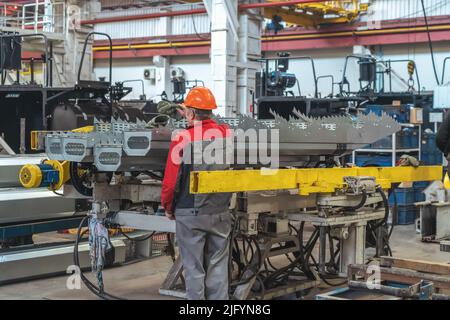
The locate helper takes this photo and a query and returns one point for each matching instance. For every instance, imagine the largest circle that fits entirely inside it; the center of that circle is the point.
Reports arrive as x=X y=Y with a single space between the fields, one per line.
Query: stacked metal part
x=111 y=146
x=139 y=146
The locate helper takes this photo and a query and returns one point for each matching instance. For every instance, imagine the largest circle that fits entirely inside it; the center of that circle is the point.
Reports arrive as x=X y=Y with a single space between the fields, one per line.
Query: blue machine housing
x=49 y=175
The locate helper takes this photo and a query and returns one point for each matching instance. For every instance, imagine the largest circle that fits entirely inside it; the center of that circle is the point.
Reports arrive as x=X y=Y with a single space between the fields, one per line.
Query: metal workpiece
x=338 y=220
x=362 y=290
x=48 y=260
x=273 y=201
x=348 y=200
x=25 y=205
x=435 y=212
x=306 y=136
x=141 y=221
x=360 y=185
x=135 y=192
x=120 y=145
x=445 y=246
x=115 y=146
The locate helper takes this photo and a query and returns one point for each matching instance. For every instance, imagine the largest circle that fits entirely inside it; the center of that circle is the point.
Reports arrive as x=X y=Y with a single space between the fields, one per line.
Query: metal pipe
x=329 y=76
x=322 y=248
x=32 y=70
x=144 y=16
x=136 y=80
x=46 y=50
x=110 y=64
x=443 y=69
x=154 y=45
x=84 y=53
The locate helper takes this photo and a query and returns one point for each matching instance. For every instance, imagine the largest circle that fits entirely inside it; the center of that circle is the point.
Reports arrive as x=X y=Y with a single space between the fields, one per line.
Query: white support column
x=162 y=82
x=233 y=58
x=223 y=58
x=162 y=63
x=249 y=52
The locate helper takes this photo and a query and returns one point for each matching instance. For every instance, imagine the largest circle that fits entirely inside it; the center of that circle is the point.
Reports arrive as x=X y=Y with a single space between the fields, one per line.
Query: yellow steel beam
x=307 y=181
x=290 y=16
x=313 y=14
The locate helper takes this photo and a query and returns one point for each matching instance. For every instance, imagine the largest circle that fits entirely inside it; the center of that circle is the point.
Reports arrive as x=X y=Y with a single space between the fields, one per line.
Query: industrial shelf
x=394 y=150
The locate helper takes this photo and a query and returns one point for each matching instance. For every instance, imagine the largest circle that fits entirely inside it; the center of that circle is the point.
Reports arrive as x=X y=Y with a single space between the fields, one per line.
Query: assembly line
x=243 y=172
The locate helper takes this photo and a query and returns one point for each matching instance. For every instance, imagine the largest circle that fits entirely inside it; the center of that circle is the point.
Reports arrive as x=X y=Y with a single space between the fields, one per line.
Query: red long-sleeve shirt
x=206 y=129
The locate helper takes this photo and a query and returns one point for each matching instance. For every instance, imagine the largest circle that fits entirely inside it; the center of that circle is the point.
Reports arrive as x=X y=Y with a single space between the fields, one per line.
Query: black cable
x=292 y=265
x=263 y=288
x=360 y=204
x=195 y=29
x=386 y=207
x=131 y=239
x=76 y=182
x=430 y=43
x=154 y=175
x=250 y=240
x=394 y=212
x=57 y=193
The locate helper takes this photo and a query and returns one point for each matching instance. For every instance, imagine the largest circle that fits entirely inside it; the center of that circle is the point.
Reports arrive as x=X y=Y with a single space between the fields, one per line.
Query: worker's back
x=443 y=136
x=210 y=149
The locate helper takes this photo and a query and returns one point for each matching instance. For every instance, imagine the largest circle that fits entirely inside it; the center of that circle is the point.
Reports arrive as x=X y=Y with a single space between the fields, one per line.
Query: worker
x=443 y=136
x=443 y=144
x=203 y=222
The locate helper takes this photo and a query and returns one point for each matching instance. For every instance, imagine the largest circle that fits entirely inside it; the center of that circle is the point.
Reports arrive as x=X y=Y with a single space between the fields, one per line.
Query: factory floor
x=141 y=280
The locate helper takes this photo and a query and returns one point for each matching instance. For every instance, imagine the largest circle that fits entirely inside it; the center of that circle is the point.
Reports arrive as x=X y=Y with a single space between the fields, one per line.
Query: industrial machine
x=434 y=219
x=27 y=106
x=289 y=197
x=28 y=103
x=278 y=89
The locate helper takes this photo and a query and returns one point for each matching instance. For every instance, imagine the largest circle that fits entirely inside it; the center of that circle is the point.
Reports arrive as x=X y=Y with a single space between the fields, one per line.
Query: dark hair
x=202 y=114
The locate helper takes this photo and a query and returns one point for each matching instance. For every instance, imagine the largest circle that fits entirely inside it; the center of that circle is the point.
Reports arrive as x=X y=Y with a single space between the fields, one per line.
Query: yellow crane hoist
x=317 y=13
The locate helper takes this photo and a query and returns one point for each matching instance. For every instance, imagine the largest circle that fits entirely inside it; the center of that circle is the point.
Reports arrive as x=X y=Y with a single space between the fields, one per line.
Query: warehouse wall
x=177 y=25
x=421 y=54
x=404 y=9
x=332 y=62
x=199 y=23
x=326 y=62
x=196 y=67
x=329 y=61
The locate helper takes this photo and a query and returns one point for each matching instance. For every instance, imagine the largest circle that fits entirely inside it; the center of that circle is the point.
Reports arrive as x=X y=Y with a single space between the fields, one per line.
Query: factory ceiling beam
x=193 y=11
x=391 y=32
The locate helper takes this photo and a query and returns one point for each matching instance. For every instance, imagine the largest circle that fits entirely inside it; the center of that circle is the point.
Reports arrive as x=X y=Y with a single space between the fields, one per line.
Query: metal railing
x=39 y=16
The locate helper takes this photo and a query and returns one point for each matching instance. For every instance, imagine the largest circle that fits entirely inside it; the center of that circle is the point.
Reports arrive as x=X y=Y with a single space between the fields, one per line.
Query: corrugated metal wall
x=189 y=24
x=405 y=9
x=192 y=24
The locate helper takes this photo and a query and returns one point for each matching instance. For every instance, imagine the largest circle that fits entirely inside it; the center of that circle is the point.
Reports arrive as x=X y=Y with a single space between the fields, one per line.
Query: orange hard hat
x=200 y=98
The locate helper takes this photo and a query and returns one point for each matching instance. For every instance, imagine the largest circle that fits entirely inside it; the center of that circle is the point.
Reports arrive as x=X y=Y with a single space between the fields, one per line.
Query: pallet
x=441 y=283
x=417 y=265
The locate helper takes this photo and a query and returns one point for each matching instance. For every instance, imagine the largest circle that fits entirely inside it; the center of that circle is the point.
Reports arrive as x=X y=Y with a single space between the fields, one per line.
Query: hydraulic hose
x=76 y=182
x=359 y=205
x=386 y=207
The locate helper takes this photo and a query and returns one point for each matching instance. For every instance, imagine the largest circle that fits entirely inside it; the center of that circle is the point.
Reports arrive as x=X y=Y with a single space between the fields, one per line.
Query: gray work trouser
x=204 y=247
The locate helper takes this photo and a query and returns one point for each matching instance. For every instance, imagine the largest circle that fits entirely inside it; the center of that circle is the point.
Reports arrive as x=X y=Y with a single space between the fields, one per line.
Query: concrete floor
x=141 y=280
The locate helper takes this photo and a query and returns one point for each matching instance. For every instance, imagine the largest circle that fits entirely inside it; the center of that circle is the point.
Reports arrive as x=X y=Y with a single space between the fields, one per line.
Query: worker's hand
x=169 y=108
x=170 y=215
